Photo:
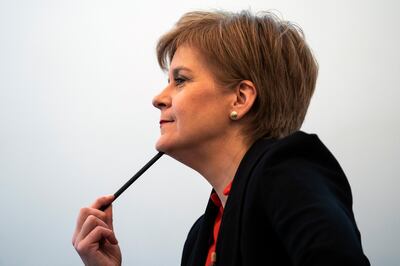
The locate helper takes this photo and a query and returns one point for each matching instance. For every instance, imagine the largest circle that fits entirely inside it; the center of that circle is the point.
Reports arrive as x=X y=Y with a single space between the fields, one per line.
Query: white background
x=76 y=83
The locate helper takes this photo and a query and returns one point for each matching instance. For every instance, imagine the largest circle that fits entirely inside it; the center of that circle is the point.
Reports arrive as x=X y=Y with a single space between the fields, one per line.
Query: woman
x=238 y=90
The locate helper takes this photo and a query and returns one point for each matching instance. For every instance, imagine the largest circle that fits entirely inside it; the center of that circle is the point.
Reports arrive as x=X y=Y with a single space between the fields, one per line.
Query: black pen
x=133 y=179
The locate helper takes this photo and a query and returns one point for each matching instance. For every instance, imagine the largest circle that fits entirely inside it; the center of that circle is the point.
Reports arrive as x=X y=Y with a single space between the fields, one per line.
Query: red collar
x=214 y=196
x=211 y=257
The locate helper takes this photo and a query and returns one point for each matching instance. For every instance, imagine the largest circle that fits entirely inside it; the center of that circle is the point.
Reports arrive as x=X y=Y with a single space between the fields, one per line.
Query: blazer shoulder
x=306 y=198
x=303 y=162
x=301 y=146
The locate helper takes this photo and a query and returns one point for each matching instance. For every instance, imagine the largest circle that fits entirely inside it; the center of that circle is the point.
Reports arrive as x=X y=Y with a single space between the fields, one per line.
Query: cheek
x=194 y=110
x=185 y=107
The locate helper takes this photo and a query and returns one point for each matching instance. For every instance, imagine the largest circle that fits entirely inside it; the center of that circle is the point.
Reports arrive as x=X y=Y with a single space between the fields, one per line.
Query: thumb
x=109 y=217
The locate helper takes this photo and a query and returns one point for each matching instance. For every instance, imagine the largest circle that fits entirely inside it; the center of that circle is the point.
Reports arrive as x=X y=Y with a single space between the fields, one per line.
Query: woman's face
x=194 y=110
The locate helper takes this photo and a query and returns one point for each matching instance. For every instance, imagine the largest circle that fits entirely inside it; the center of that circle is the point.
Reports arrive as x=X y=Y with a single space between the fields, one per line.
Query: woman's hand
x=94 y=238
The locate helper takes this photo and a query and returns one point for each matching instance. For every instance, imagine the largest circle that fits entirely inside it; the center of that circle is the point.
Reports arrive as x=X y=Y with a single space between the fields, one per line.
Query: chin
x=160 y=147
x=173 y=149
x=164 y=146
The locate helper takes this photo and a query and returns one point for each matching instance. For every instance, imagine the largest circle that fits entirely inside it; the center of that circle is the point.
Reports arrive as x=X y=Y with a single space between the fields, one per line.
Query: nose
x=162 y=100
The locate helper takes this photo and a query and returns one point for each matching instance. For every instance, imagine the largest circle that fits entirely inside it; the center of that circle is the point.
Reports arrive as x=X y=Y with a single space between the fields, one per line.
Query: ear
x=246 y=94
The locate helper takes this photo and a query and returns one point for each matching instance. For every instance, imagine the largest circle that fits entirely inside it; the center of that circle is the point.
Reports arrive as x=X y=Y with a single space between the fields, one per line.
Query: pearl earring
x=234 y=115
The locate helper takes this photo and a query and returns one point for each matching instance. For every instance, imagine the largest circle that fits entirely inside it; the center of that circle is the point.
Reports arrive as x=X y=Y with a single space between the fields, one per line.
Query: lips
x=162 y=121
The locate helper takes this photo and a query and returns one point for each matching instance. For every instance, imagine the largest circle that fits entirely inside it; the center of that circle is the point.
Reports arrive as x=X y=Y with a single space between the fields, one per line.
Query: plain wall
x=76 y=83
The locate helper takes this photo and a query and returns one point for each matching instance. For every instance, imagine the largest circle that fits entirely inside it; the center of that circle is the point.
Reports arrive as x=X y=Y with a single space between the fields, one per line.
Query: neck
x=217 y=162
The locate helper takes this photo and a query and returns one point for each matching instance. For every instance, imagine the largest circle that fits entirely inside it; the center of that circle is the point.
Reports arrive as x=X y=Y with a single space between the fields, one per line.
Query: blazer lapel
x=228 y=243
x=202 y=244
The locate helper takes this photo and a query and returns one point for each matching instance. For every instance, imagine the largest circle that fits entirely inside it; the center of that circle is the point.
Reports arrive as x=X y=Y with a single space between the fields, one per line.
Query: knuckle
x=98 y=229
x=83 y=211
x=91 y=219
x=102 y=216
x=94 y=219
x=81 y=248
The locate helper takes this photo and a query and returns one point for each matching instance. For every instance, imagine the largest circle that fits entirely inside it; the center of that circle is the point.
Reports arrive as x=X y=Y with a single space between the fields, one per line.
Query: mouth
x=165 y=121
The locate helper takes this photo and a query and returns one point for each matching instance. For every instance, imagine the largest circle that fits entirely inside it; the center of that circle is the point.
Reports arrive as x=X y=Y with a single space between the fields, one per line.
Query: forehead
x=188 y=57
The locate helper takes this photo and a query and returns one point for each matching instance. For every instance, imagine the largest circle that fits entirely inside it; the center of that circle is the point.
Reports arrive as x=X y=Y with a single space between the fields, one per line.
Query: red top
x=212 y=256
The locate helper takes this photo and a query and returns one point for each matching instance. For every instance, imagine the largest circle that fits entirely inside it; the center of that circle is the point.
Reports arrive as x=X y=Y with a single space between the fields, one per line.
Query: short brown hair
x=262 y=48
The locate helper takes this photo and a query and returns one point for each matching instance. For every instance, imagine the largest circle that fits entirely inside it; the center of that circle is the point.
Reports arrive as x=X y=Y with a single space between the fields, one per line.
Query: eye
x=179 y=81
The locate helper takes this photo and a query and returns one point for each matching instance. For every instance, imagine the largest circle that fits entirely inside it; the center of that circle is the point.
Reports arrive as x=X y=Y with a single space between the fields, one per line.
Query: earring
x=234 y=115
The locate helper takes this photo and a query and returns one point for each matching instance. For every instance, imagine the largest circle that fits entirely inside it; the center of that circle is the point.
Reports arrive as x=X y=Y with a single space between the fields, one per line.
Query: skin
x=199 y=132
x=94 y=237
x=195 y=129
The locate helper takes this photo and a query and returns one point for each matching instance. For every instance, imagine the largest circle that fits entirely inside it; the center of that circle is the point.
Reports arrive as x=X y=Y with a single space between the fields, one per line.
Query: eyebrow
x=176 y=70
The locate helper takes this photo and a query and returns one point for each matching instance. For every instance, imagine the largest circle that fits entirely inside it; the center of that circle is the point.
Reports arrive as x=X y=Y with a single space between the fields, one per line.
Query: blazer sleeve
x=309 y=206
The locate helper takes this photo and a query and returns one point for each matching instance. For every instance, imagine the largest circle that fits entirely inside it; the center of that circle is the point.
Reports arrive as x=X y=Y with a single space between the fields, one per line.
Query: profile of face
x=194 y=109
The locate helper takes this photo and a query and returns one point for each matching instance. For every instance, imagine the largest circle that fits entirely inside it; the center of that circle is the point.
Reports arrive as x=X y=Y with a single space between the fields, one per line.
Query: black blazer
x=290 y=204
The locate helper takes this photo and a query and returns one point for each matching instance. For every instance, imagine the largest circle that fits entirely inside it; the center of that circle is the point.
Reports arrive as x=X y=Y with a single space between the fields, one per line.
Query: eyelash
x=179 y=81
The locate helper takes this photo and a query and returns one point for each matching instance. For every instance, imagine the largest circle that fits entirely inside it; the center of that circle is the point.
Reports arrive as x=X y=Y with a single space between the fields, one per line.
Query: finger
x=102 y=201
x=83 y=214
x=90 y=223
x=91 y=241
x=93 y=210
x=109 y=217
